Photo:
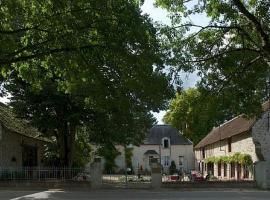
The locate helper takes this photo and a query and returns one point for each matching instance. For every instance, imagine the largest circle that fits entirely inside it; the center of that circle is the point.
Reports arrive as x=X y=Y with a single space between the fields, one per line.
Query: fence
x=48 y=173
x=110 y=178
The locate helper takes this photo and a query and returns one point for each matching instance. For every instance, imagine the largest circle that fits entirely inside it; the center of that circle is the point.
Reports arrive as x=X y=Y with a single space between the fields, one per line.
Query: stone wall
x=261 y=135
x=242 y=143
x=11 y=148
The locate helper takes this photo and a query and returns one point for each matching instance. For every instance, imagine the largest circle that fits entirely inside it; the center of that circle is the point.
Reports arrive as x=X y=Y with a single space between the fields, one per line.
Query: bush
x=173 y=169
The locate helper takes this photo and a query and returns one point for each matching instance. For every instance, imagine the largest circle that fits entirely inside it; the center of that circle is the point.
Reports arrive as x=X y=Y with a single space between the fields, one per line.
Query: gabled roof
x=13 y=124
x=158 y=132
x=231 y=128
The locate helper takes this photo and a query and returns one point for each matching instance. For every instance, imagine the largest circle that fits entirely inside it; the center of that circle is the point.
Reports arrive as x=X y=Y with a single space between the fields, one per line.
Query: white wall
x=139 y=158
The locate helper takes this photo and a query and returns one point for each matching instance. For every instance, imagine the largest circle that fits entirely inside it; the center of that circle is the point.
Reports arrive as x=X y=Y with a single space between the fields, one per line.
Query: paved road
x=137 y=195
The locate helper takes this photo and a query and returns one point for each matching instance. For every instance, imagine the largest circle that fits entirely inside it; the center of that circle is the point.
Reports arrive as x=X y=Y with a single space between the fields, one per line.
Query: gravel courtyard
x=119 y=194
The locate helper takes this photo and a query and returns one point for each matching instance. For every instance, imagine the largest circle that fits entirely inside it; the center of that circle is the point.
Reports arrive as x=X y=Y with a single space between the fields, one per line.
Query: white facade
x=162 y=144
x=182 y=155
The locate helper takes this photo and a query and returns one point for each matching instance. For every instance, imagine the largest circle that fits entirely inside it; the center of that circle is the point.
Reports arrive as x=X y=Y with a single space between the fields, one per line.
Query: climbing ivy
x=244 y=159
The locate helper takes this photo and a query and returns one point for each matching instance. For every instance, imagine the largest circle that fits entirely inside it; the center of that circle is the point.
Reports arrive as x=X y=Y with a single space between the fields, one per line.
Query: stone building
x=231 y=150
x=20 y=144
x=162 y=144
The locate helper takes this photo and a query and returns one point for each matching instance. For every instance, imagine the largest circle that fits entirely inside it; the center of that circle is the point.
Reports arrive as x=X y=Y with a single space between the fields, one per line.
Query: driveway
x=133 y=194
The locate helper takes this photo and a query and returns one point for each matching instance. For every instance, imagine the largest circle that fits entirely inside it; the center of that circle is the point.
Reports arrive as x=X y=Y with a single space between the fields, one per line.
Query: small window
x=150 y=159
x=166 y=161
x=166 y=143
x=203 y=153
x=181 y=160
x=229 y=144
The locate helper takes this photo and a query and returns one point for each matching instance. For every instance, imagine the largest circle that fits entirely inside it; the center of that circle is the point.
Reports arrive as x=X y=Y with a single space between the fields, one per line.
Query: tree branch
x=255 y=21
x=221 y=54
x=42 y=54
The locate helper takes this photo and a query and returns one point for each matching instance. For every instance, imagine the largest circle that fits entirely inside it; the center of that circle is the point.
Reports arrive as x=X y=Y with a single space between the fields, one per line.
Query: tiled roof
x=13 y=124
x=157 y=132
x=231 y=128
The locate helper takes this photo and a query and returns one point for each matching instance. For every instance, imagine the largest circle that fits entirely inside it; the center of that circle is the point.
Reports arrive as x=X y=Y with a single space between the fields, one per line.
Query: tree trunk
x=66 y=143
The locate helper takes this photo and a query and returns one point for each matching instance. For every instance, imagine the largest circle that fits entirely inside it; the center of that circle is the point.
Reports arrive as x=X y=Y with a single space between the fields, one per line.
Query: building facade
x=20 y=144
x=163 y=144
x=231 y=150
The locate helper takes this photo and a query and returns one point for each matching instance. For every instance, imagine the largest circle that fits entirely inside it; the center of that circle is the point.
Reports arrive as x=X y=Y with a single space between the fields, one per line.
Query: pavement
x=134 y=194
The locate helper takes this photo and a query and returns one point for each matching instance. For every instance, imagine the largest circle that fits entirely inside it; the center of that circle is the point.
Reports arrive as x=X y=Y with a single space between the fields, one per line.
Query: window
x=229 y=144
x=246 y=171
x=166 y=143
x=181 y=161
x=166 y=161
x=150 y=159
x=225 y=169
x=29 y=156
x=210 y=168
x=202 y=168
x=203 y=152
x=232 y=170
x=219 y=169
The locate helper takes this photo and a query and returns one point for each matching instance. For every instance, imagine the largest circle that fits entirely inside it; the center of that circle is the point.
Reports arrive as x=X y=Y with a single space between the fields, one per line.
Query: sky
x=160 y=15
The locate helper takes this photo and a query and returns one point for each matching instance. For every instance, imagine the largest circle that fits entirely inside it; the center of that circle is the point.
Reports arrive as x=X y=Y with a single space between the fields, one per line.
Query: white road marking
x=38 y=195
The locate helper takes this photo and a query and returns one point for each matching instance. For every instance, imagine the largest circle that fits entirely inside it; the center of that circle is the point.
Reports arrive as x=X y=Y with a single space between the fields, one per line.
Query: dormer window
x=165 y=143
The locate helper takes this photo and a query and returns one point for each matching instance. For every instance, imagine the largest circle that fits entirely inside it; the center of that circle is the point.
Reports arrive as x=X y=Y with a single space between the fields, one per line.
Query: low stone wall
x=32 y=185
x=210 y=184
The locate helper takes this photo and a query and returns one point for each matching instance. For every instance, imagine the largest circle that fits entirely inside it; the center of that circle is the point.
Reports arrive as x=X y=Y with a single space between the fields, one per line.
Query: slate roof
x=157 y=132
x=13 y=124
x=231 y=128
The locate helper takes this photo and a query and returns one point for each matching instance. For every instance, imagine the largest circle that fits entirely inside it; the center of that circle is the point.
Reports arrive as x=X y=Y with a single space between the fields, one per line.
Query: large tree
x=196 y=112
x=231 y=53
x=73 y=63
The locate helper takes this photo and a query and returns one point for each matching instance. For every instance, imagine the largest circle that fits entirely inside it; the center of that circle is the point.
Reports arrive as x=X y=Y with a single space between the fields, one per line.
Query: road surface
x=120 y=194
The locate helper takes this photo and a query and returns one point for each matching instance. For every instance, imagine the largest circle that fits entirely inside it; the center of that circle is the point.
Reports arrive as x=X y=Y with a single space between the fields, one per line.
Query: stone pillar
x=262 y=174
x=96 y=173
x=156 y=176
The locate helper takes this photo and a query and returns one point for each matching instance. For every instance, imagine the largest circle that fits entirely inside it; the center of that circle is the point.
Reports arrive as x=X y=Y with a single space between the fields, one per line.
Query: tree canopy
x=230 y=54
x=92 y=63
x=195 y=113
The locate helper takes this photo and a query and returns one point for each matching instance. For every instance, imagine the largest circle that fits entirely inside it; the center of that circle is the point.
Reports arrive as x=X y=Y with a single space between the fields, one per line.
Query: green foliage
x=244 y=159
x=128 y=157
x=195 y=113
x=109 y=153
x=231 y=53
x=172 y=168
x=83 y=150
x=93 y=64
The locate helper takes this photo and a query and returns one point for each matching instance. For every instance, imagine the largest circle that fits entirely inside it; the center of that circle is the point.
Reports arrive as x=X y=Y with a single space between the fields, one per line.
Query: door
x=239 y=171
x=29 y=156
